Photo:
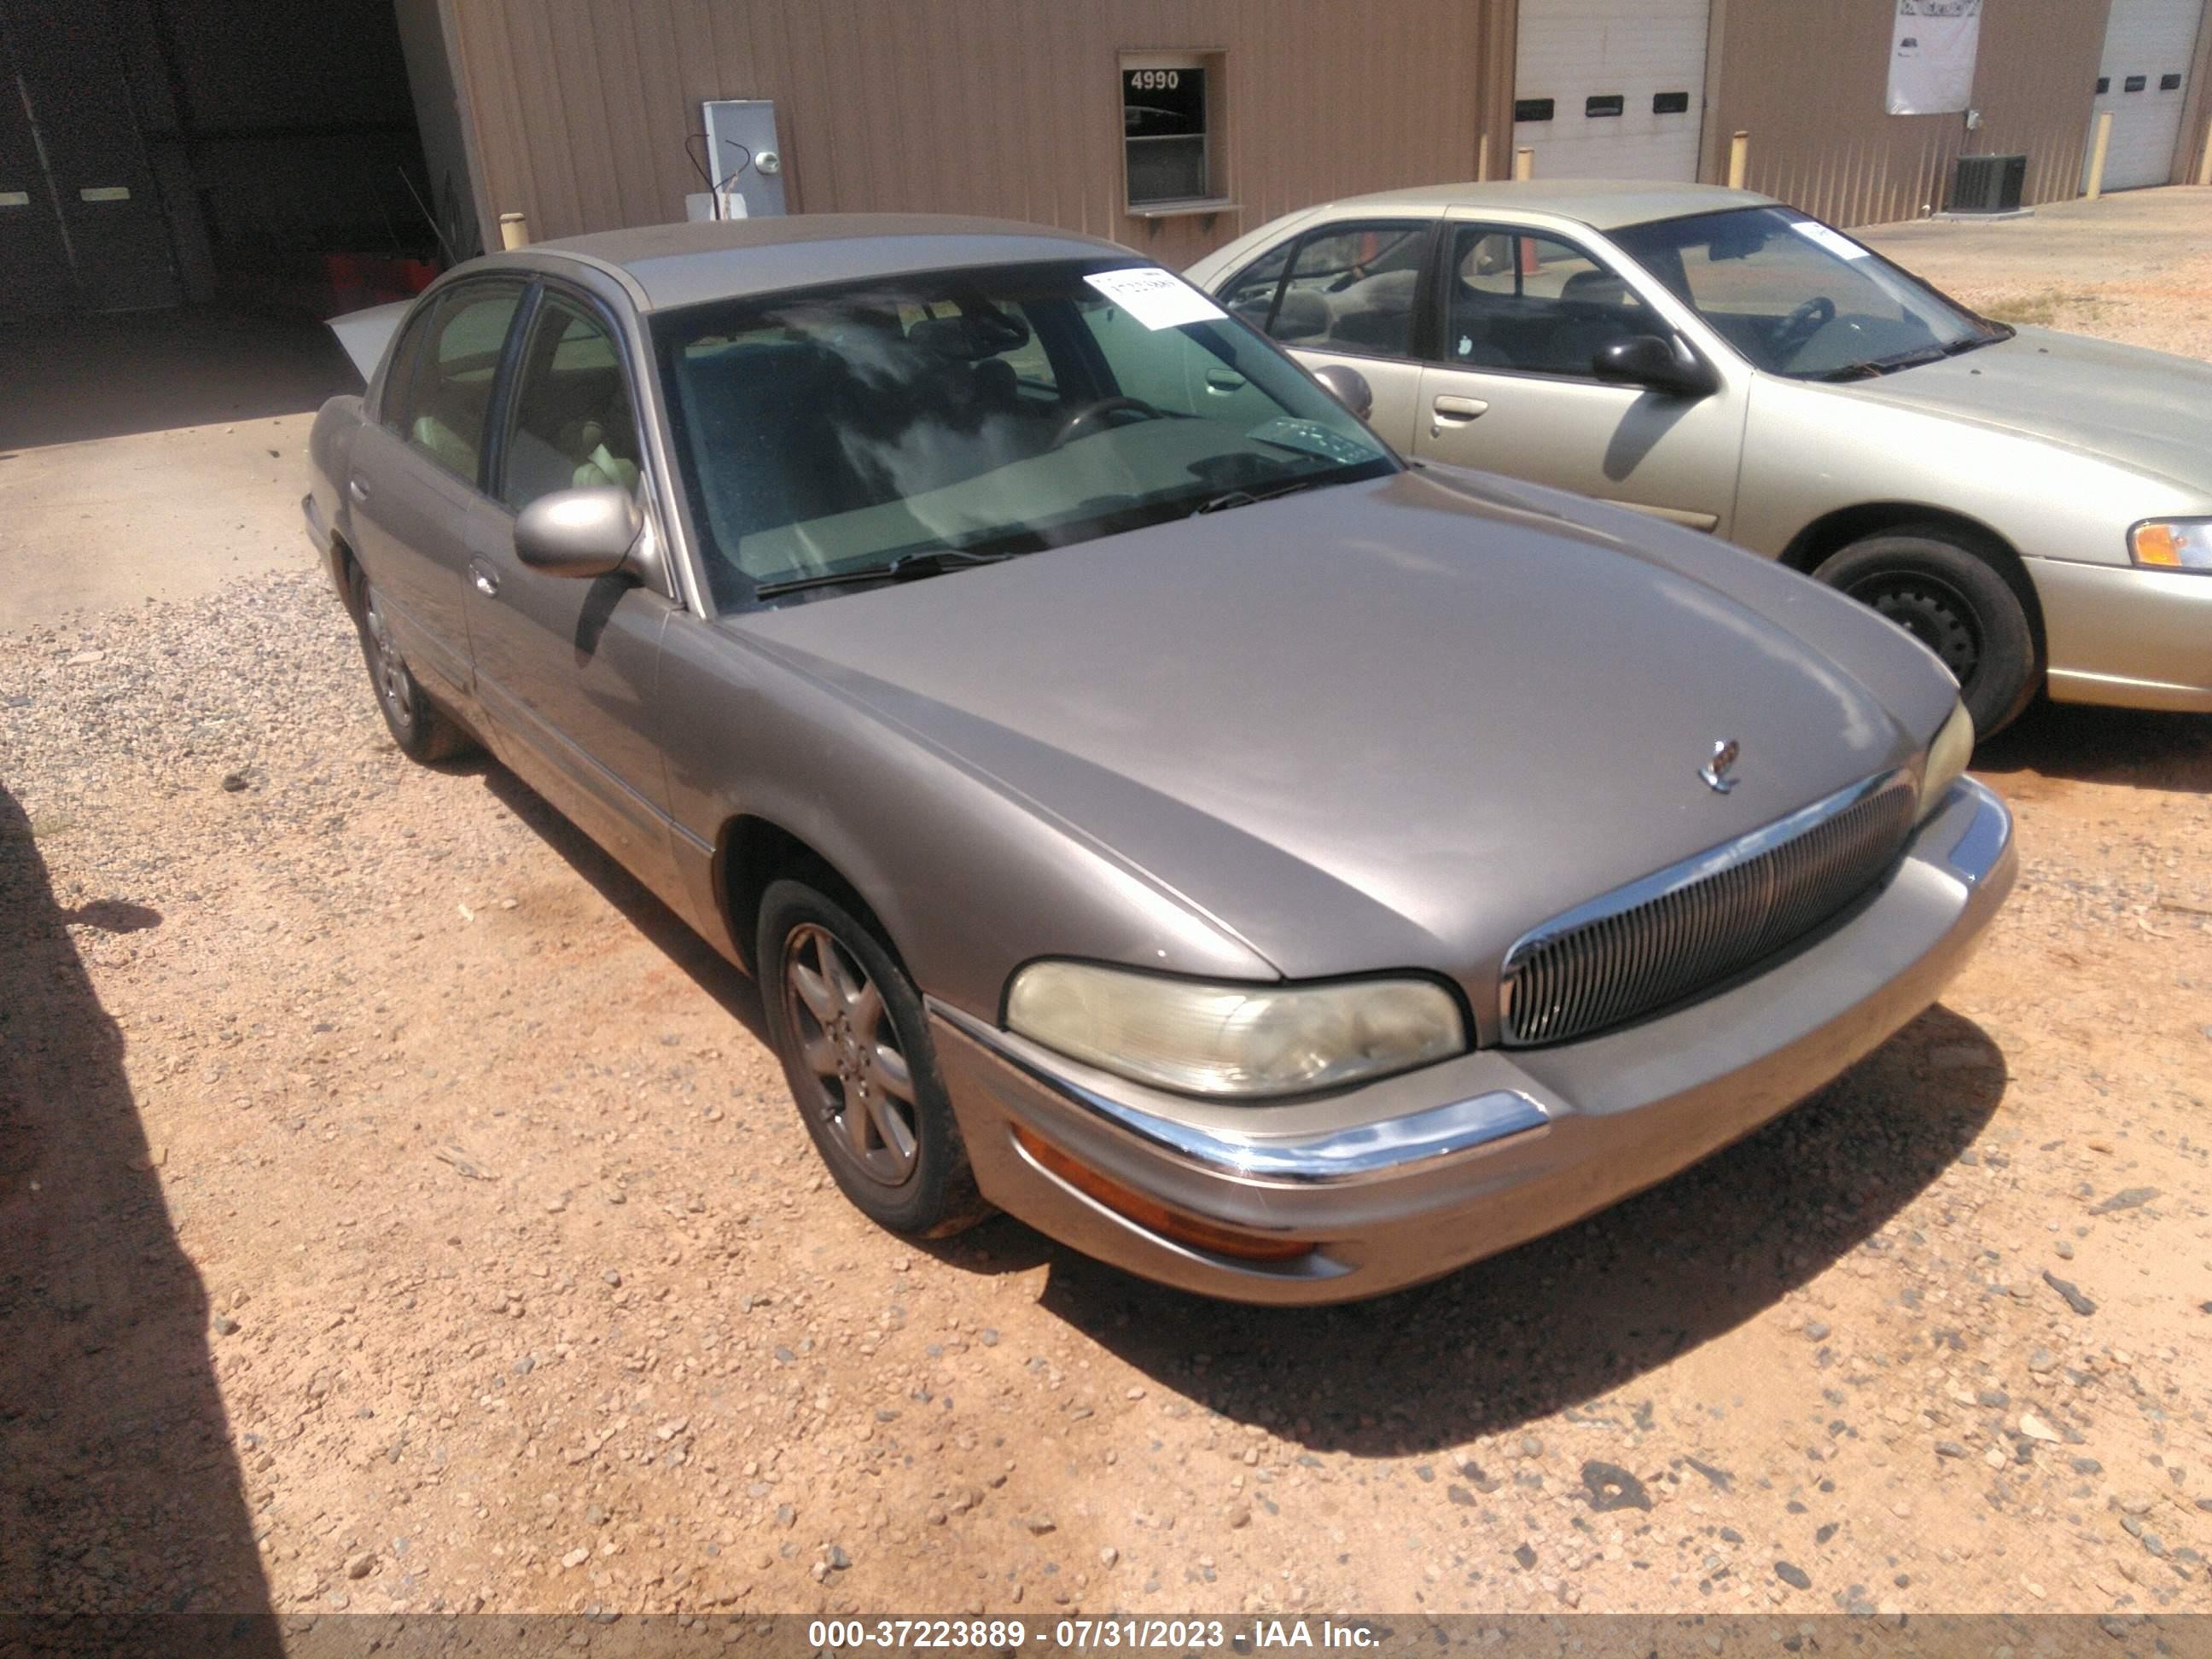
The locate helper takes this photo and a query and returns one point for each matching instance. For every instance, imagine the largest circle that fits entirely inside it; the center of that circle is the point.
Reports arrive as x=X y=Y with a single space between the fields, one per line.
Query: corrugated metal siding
x=1008 y=107
x=1808 y=80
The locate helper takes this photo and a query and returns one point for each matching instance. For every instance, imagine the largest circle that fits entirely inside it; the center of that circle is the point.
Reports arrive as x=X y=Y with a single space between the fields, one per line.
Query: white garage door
x=1610 y=89
x=2143 y=80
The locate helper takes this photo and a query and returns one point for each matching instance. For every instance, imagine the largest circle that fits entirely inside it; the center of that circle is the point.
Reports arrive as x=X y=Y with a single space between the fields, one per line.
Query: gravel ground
x=400 y=1212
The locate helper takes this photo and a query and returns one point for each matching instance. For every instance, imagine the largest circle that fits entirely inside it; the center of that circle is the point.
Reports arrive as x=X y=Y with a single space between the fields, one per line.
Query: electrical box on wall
x=744 y=159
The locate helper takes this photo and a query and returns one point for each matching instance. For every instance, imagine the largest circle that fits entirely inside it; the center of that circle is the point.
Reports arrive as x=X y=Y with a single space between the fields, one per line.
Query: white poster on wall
x=1931 y=56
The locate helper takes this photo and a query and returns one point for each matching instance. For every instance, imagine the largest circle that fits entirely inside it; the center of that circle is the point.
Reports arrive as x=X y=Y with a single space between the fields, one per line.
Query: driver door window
x=1522 y=303
x=574 y=426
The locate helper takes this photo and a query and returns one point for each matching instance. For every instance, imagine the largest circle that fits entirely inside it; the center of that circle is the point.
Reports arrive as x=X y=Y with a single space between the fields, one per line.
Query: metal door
x=80 y=226
x=1610 y=89
x=2142 y=79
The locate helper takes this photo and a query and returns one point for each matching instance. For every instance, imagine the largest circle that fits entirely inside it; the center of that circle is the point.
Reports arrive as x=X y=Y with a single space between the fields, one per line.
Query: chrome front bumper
x=2127 y=637
x=1417 y=1174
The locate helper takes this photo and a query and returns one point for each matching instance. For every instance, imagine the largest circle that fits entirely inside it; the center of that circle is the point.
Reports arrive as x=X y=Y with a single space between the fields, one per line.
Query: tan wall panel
x=1810 y=83
x=1007 y=107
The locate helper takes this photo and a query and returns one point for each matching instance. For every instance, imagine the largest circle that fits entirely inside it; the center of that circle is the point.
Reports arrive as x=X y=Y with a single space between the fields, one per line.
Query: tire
x=848 y=1026
x=423 y=730
x=1955 y=601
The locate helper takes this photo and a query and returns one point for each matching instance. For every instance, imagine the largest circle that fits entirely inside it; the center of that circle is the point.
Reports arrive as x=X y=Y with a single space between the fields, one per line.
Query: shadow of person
x=1585 y=1312
x=119 y=1491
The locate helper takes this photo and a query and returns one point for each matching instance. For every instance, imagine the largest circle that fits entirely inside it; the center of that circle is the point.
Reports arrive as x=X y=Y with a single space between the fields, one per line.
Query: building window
x=1172 y=130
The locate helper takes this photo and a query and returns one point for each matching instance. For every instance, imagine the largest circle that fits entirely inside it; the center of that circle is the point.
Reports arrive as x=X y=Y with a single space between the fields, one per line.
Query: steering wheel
x=1092 y=417
x=1802 y=324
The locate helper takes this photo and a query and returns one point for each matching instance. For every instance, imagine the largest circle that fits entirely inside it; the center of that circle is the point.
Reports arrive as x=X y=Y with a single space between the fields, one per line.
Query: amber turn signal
x=1158 y=1218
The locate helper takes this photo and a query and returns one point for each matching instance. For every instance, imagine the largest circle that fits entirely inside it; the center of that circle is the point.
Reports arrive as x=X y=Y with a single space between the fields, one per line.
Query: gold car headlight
x=1947 y=758
x=2171 y=544
x=1241 y=1041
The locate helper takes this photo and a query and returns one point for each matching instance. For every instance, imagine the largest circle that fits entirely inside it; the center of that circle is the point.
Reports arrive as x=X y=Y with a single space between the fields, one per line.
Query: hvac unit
x=1989 y=184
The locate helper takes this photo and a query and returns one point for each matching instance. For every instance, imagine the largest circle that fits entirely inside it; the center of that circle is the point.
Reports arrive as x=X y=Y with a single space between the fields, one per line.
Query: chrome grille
x=1660 y=939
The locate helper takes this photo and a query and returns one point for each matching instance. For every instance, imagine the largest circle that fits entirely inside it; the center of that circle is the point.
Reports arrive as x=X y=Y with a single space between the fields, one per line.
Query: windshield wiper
x=1878 y=365
x=923 y=562
x=1247 y=497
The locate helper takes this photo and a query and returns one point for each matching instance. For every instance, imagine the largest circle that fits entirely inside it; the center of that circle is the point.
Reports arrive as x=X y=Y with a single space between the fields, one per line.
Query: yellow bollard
x=1482 y=160
x=2096 y=187
x=1739 y=159
x=514 y=230
x=1524 y=164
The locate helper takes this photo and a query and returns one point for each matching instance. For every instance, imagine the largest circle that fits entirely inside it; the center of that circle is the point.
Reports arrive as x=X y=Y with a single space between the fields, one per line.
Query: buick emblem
x=1715 y=771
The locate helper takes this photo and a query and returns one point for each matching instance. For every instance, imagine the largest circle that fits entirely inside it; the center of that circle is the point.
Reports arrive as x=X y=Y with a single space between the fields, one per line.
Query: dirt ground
x=397 y=1211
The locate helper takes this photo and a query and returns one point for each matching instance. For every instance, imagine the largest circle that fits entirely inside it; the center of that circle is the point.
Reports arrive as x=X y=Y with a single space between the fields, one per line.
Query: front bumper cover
x=1417 y=1174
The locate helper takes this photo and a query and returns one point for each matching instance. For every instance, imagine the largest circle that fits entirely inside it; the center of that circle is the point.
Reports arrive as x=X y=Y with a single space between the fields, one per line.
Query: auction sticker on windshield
x=1155 y=298
x=1834 y=240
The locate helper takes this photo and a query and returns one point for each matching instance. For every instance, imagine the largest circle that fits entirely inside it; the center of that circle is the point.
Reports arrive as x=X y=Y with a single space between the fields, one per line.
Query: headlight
x=1947 y=758
x=1247 y=1040
x=2173 y=544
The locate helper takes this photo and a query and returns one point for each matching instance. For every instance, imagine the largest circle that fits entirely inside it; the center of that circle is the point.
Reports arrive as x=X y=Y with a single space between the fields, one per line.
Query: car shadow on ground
x=119 y=1492
x=674 y=938
x=2130 y=746
x=1579 y=1316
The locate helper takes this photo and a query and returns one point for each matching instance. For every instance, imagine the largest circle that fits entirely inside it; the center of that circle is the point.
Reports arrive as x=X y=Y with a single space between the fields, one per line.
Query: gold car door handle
x=1454 y=411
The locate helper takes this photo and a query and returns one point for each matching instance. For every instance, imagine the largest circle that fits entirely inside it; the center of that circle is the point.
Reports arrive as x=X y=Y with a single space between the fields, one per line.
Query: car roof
x=1601 y=204
x=672 y=266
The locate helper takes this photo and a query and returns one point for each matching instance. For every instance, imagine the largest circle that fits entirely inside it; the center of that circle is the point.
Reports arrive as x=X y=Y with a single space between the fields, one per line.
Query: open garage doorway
x=252 y=155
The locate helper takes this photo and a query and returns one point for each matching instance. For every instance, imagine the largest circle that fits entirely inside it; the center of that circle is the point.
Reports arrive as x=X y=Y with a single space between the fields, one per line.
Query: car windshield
x=1797 y=298
x=931 y=421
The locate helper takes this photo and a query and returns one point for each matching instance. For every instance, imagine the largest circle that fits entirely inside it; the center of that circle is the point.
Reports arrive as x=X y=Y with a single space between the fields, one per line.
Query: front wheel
x=1955 y=602
x=848 y=1026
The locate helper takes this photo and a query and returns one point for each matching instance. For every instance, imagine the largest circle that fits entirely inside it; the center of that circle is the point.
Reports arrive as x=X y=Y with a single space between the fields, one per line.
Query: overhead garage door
x=1610 y=89
x=2144 y=80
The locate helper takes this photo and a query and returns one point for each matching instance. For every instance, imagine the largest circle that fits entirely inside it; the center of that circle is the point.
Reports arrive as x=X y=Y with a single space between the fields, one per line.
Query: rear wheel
x=422 y=730
x=1955 y=602
x=848 y=1026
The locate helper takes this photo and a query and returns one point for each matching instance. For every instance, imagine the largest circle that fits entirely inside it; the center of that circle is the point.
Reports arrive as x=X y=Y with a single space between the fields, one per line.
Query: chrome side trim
x=1982 y=844
x=1365 y=1151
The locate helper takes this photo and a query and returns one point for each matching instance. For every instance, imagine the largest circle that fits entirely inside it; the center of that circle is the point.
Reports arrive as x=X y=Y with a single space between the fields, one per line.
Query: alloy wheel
x=386 y=665
x=862 y=1086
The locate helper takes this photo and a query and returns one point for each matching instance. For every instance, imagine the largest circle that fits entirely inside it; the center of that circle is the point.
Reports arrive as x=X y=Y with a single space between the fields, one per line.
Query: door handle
x=484 y=576
x=1225 y=380
x=1454 y=411
x=357 y=489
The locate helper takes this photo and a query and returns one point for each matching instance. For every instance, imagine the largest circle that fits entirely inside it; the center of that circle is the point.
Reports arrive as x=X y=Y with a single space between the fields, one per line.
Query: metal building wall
x=1003 y=107
x=1808 y=80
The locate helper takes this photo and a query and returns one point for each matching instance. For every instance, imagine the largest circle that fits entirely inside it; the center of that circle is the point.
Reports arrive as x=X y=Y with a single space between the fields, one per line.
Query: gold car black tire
x=422 y=731
x=1955 y=601
x=849 y=1029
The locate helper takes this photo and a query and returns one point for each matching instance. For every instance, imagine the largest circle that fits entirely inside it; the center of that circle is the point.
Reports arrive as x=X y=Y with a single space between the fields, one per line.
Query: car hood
x=1382 y=725
x=2147 y=410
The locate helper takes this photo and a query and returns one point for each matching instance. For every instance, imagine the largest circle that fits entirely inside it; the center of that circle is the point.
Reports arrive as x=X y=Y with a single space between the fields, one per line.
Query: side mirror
x=1663 y=365
x=1348 y=386
x=578 y=532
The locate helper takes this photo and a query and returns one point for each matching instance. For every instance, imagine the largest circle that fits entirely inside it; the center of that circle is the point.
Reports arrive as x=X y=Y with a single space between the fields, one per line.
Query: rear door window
x=1351 y=288
x=452 y=366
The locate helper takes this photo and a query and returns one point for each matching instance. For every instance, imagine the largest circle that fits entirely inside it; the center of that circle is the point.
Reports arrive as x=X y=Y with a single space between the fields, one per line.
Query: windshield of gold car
x=1797 y=298
x=944 y=419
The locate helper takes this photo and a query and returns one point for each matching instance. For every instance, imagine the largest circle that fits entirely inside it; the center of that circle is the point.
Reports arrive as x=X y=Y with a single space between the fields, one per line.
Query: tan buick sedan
x=2033 y=506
